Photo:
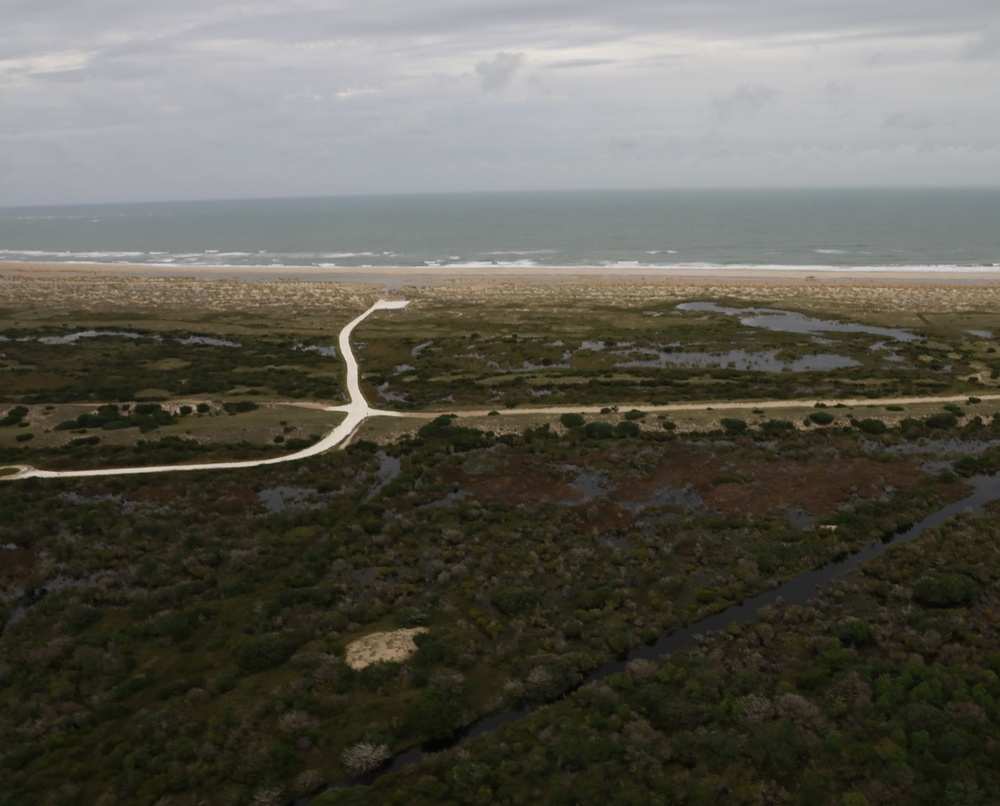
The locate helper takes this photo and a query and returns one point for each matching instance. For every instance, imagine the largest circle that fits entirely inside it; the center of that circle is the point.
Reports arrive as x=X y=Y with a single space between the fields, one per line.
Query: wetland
x=180 y=638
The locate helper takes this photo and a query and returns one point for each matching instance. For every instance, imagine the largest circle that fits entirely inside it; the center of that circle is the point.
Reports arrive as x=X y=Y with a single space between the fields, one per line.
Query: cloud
x=907 y=120
x=985 y=46
x=837 y=90
x=569 y=64
x=745 y=101
x=497 y=73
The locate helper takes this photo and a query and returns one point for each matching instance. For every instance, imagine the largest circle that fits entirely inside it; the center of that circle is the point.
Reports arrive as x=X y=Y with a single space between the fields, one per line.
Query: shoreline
x=447 y=275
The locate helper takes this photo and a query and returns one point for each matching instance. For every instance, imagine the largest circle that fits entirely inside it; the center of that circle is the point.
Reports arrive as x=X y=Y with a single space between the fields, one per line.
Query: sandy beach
x=446 y=275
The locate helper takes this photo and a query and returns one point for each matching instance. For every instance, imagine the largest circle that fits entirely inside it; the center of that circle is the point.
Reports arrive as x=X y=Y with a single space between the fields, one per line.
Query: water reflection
x=740 y=360
x=794 y=322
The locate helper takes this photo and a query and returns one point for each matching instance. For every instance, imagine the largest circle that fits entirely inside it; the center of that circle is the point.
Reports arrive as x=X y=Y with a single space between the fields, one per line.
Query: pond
x=740 y=360
x=794 y=322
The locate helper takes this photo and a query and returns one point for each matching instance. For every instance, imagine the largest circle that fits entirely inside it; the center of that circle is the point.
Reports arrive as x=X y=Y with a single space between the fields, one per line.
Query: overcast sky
x=119 y=100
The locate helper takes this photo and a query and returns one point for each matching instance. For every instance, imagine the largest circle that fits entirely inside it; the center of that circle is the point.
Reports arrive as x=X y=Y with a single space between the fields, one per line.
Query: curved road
x=356 y=410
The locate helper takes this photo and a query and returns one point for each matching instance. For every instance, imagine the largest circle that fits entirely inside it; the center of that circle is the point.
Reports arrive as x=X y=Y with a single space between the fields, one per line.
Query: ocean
x=821 y=229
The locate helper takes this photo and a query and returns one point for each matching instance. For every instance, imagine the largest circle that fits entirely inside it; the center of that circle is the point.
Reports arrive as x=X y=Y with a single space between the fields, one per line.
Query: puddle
x=982 y=334
x=892 y=356
x=416 y=351
x=799 y=519
x=72 y=338
x=209 y=341
x=401 y=368
x=26 y=598
x=687 y=498
x=282 y=499
x=793 y=322
x=740 y=360
x=936 y=448
x=389 y=468
x=392 y=397
x=589 y=483
x=326 y=352
x=452 y=499
x=120 y=501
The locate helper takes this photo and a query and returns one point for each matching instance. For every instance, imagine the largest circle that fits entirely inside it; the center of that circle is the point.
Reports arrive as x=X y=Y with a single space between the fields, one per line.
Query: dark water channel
x=796 y=591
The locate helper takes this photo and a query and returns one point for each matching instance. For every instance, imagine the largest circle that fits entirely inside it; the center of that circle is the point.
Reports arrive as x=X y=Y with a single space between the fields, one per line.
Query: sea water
x=842 y=229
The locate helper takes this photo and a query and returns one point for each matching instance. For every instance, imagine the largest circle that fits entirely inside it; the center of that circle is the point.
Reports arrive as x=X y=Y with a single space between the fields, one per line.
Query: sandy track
x=357 y=410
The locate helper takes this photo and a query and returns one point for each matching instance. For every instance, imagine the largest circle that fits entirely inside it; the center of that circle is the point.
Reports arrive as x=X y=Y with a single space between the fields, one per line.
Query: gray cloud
x=113 y=99
x=745 y=100
x=572 y=64
x=498 y=71
x=984 y=46
x=906 y=120
x=838 y=90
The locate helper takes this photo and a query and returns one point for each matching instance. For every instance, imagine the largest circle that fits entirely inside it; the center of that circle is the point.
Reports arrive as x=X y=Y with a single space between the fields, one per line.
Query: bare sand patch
x=396 y=646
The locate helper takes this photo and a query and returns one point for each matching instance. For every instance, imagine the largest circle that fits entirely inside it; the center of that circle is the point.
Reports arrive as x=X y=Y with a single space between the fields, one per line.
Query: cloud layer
x=117 y=100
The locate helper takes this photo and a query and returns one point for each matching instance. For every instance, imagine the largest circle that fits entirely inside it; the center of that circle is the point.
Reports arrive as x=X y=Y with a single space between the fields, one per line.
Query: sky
x=118 y=100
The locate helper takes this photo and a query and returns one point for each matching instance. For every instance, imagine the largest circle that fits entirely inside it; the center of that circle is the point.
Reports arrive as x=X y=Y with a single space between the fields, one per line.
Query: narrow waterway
x=796 y=591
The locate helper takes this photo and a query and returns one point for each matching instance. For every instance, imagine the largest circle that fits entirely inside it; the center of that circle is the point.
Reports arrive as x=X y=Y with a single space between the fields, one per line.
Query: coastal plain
x=587 y=461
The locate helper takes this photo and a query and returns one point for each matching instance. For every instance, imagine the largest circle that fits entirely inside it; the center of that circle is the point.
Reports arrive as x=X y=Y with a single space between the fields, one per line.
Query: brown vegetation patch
x=604 y=515
x=770 y=488
x=517 y=483
x=234 y=502
x=815 y=488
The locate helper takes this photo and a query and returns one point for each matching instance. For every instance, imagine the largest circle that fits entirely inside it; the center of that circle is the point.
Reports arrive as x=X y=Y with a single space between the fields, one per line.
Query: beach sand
x=439 y=275
x=317 y=299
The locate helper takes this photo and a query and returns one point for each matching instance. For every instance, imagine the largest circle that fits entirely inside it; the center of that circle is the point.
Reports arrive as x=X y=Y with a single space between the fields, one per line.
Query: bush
x=627 y=428
x=775 y=427
x=572 y=420
x=733 y=425
x=599 y=430
x=821 y=417
x=943 y=420
x=14 y=416
x=266 y=651
x=510 y=599
x=870 y=425
x=364 y=757
x=634 y=414
x=239 y=406
x=945 y=590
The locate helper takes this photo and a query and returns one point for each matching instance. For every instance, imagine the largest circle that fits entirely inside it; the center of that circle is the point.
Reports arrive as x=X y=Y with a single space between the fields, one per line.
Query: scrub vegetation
x=178 y=639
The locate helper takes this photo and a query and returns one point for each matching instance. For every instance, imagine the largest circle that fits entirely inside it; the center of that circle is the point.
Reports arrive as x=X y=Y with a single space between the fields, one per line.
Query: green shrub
x=733 y=425
x=514 y=599
x=822 y=417
x=238 y=406
x=945 y=590
x=776 y=427
x=943 y=420
x=266 y=651
x=571 y=420
x=14 y=416
x=627 y=428
x=870 y=425
x=599 y=430
x=634 y=414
